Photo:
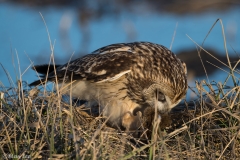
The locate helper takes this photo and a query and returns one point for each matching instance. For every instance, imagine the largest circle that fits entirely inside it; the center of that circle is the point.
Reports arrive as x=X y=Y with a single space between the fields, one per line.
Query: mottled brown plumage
x=124 y=78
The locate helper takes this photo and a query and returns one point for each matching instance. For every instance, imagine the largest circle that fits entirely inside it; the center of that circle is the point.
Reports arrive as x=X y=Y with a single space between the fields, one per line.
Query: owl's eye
x=160 y=96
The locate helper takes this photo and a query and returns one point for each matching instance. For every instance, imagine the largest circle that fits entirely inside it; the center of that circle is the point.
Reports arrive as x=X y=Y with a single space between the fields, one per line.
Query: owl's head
x=169 y=91
x=163 y=102
x=161 y=96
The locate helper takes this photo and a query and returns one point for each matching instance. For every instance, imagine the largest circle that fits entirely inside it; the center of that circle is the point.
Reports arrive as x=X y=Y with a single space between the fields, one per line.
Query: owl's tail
x=44 y=70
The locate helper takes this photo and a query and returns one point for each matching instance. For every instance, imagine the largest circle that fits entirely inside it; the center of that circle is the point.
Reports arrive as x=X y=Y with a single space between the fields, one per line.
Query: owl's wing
x=99 y=67
x=105 y=64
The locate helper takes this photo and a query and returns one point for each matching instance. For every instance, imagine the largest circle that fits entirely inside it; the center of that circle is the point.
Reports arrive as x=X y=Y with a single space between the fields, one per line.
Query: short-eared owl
x=123 y=78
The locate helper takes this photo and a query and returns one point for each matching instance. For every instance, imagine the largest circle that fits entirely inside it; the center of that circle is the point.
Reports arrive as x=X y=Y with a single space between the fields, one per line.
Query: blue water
x=23 y=34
